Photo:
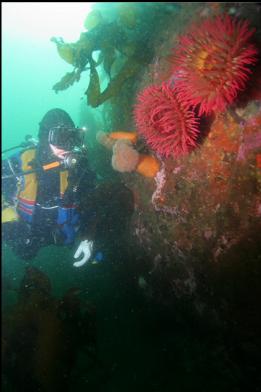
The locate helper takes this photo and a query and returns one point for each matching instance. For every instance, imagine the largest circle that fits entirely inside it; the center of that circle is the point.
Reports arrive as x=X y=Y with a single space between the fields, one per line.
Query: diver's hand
x=85 y=247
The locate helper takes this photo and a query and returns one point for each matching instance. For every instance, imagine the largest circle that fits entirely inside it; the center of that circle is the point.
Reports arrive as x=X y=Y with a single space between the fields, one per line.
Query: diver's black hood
x=53 y=118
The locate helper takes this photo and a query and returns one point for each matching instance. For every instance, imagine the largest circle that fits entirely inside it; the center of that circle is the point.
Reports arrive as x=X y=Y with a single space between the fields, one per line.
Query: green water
x=30 y=68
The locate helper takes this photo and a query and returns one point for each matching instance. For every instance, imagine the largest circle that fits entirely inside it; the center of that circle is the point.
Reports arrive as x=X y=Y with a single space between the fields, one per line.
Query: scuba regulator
x=72 y=158
x=69 y=161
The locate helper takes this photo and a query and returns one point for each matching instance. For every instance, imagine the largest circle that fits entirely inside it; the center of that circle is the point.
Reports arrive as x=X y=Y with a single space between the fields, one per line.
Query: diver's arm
x=87 y=206
x=88 y=221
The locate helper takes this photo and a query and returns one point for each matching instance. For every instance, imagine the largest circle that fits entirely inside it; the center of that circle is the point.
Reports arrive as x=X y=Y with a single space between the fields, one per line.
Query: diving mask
x=66 y=138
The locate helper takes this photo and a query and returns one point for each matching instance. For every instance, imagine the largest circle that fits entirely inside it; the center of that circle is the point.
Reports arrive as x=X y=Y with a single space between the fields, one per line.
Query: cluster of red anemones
x=211 y=64
x=165 y=121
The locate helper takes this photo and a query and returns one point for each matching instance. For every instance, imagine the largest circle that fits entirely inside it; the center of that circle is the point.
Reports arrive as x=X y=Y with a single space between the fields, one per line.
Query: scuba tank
x=29 y=142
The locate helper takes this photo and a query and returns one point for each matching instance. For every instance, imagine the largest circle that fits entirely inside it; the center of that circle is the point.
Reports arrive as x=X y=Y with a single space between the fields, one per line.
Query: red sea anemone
x=165 y=121
x=212 y=62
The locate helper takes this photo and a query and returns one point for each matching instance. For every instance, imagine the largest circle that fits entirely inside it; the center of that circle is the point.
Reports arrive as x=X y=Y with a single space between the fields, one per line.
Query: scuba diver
x=42 y=191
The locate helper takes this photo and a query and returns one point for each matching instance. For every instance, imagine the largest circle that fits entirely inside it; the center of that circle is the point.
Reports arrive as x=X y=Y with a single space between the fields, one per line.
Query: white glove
x=85 y=247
